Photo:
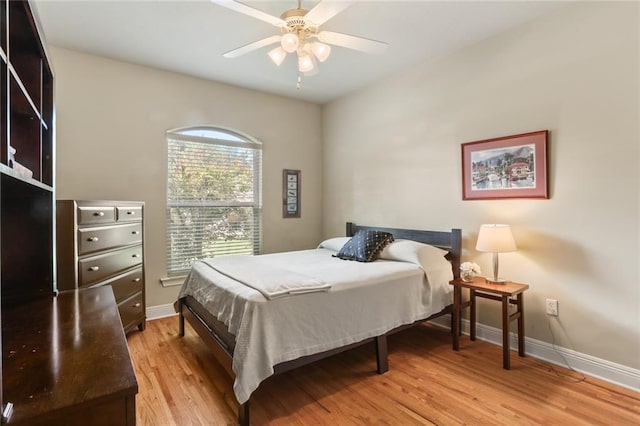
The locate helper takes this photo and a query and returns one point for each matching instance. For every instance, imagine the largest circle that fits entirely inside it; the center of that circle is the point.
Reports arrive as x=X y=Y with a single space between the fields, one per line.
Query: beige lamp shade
x=495 y=238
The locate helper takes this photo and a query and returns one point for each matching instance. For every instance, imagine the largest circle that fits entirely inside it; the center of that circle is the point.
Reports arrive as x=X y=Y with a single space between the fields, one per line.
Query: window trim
x=247 y=142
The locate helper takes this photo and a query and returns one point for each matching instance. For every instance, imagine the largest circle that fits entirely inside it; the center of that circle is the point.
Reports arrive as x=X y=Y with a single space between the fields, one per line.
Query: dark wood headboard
x=450 y=241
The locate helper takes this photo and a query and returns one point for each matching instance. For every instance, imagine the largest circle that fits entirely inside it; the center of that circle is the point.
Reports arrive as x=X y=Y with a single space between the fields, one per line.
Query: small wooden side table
x=508 y=293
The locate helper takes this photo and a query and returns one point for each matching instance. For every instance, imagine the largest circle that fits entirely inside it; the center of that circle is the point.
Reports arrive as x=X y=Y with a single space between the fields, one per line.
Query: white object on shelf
x=12 y=153
x=22 y=171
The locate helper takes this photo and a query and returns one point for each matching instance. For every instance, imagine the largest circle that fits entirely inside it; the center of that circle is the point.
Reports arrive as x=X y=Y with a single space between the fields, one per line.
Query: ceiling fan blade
x=326 y=10
x=250 y=11
x=252 y=46
x=352 y=42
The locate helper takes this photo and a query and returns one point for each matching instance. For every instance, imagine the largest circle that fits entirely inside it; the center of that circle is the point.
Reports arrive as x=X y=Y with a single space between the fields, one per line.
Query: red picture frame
x=506 y=167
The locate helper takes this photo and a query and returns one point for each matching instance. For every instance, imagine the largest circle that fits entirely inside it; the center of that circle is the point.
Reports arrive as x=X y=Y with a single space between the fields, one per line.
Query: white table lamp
x=494 y=238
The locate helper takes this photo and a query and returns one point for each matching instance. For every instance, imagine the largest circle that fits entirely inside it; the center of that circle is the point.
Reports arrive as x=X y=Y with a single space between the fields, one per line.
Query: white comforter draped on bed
x=259 y=273
x=365 y=300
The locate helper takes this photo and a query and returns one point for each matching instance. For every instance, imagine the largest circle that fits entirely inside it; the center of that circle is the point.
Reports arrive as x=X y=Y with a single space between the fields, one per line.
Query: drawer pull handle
x=98 y=214
x=137 y=305
x=94 y=268
x=135 y=232
x=135 y=255
x=136 y=280
x=131 y=213
x=92 y=239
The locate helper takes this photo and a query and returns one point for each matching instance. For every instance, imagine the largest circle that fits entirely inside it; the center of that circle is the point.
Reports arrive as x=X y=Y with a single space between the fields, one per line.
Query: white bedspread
x=365 y=300
x=259 y=273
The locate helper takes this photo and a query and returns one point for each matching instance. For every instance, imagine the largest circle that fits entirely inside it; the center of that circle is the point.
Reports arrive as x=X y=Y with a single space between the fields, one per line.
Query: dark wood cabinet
x=67 y=361
x=26 y=169
x=26 y=158
x=102 y=243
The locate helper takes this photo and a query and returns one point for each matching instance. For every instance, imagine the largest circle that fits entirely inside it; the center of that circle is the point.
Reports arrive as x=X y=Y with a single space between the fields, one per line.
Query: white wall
x=392 y=157
x=111 y=144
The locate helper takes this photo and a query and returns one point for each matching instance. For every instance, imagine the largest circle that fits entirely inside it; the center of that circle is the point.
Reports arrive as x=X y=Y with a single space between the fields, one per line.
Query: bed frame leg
x=181 y=327
x=381 y=354
x=243 y=414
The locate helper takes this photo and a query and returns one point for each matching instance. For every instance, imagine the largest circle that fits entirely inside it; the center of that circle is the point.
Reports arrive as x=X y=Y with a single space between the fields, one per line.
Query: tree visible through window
x=213 y=195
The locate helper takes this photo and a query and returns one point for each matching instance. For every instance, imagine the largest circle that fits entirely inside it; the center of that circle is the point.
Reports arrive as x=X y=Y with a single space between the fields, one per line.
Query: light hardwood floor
x=180 y=383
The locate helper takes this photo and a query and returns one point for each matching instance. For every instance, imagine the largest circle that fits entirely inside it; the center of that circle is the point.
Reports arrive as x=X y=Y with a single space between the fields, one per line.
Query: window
x=214 y=190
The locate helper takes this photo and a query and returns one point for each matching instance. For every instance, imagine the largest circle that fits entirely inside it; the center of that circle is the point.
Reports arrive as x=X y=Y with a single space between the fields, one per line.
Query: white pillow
x=431 y=259
x=334 y=244
x=423 y=255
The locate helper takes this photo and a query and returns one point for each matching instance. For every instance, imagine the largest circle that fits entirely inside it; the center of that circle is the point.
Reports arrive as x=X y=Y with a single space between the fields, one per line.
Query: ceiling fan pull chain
x=298 y=83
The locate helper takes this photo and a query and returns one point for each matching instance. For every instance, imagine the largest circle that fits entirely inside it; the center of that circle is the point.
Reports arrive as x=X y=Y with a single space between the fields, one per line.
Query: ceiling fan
x=300 y=33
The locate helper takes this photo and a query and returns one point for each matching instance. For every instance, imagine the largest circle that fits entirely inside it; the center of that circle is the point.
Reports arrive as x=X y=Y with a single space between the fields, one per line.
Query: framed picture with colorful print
x=291 y=193
x=506 y=167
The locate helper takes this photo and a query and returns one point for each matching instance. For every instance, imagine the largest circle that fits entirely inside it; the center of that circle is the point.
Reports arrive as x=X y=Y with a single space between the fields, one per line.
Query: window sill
x=173 y=281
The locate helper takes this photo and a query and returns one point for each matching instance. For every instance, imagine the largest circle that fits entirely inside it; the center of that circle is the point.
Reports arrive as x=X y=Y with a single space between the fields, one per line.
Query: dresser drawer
x=127 y=285
x=95 y=239
x=94 y=215
x=96 y=268
x=131 y=310
x=129 y=213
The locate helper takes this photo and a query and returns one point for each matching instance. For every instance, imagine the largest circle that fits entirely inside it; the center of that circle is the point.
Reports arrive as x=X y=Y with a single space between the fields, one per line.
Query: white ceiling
x=189 y=37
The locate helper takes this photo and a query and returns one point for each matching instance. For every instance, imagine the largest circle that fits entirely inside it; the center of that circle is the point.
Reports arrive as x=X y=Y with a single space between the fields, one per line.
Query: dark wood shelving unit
x=27 y=200
x=27 y=204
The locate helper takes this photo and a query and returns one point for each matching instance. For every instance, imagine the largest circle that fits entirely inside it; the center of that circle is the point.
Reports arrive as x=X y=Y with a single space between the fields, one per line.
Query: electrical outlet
x=552 y=307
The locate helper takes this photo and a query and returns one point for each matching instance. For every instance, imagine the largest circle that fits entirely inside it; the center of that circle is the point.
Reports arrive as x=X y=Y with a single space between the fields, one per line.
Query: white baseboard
x=160 y=311
x=596 y=367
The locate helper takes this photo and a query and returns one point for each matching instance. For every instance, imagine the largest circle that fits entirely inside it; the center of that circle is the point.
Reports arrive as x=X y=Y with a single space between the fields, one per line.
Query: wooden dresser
x=66 y=361
x=102 y=243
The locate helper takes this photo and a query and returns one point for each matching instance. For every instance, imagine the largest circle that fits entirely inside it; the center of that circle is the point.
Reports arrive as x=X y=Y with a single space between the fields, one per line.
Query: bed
x=255 y=336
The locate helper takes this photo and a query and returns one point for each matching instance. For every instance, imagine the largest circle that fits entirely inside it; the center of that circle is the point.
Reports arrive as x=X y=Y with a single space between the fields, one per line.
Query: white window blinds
x=213 y=196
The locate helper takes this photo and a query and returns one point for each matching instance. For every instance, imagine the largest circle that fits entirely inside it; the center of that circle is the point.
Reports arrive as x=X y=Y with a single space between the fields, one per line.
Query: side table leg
x=506 y=360
x=457 y=295
x=472 y=319
x=520 y=306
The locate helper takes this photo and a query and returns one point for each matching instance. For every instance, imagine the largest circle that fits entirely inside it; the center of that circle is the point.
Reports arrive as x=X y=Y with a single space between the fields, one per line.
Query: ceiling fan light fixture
x=320 y=50
x=305 y=63
x=289 y=42
x=277 y=55
x=300 y=32
x=315 y=70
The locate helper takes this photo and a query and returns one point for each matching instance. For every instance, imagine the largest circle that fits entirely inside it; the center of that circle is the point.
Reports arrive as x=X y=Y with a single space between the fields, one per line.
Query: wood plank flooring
x=180 y=383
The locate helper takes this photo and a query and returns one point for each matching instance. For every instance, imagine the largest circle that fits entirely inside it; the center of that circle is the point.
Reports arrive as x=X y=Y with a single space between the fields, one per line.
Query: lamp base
x=495 y=280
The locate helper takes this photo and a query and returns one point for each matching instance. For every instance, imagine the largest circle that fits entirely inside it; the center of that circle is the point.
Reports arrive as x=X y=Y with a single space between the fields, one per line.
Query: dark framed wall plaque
x=291 y=193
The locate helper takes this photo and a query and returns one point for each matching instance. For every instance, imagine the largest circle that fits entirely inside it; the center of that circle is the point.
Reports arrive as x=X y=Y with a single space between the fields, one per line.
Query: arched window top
x=217 y=134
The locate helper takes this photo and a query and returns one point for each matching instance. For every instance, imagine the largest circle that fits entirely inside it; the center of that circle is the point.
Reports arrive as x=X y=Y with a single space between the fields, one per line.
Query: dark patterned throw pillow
x=365 y=246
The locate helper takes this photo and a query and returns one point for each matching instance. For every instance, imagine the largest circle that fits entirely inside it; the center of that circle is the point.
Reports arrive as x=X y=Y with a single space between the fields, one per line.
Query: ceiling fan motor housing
x=297 y=24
